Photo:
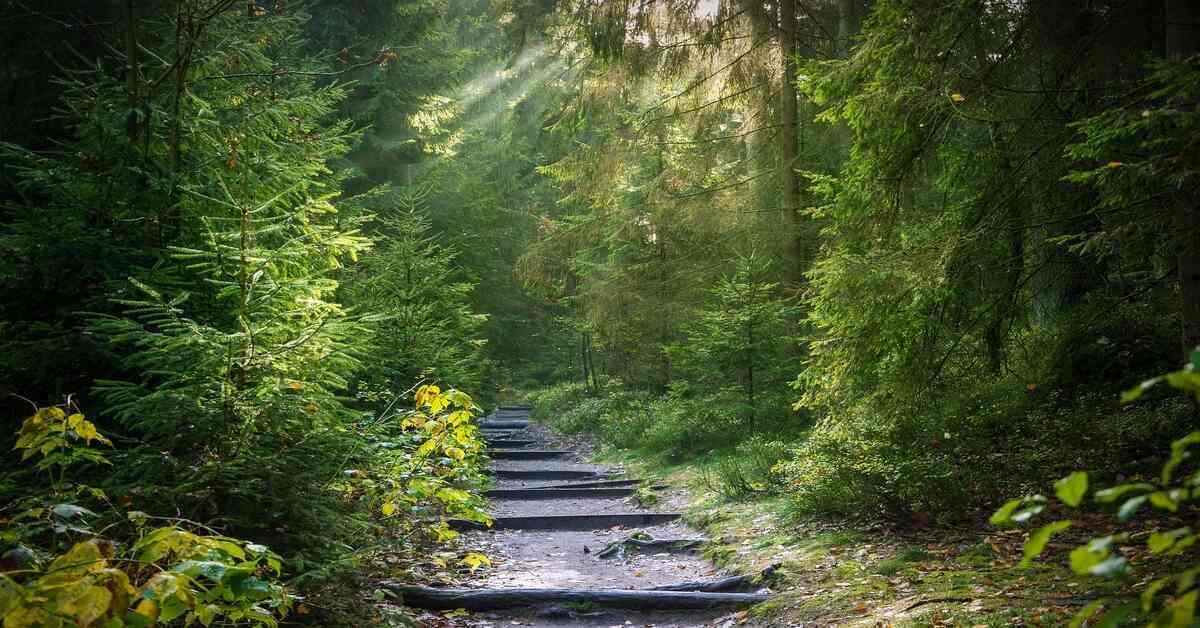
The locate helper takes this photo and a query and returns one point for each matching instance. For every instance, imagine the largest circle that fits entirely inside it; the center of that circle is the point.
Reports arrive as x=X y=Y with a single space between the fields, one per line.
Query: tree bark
x=1182 y=33
x=848 y=21
x=788 y=180
x=131 y=53
x=496 y=599
x=727 y=584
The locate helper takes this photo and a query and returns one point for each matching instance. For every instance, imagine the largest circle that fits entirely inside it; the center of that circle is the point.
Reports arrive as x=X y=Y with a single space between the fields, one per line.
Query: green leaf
x=1109 y=495
x=1038 y=540
x=1152 y=590
x=1131 y=506
x=1164 y=500
x=1110 y=567
x=1179 y=452
x=1086 y=613
x=1179 y=614
x=1133 y=394
x=1160 y=542
x=1004 y=514
x=1117 y=616
x=1186 y=580
x=1083 y=559
x=1019 y=510
x=1072 y=488
x=210 y=569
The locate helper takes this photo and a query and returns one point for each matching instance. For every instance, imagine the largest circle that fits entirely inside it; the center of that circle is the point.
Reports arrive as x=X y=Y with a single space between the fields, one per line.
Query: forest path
x=554 y=515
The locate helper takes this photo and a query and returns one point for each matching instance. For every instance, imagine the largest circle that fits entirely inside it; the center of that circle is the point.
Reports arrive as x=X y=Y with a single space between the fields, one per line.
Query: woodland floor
x=832 y=573
x=568 y=558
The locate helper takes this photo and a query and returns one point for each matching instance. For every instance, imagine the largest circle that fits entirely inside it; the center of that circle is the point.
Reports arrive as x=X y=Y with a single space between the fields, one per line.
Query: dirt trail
x=568 y=558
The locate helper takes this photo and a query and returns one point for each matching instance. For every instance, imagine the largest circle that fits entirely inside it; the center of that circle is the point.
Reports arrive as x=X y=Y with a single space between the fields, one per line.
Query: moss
x=832 y=573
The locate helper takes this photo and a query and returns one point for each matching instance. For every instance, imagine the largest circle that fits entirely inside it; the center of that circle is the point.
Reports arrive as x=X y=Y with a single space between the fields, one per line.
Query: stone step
x=509 y=443
x=527 y=454
x=489 y=424
x=570 y=522
x=598 y=484
x=546 y=474
x=558 y=493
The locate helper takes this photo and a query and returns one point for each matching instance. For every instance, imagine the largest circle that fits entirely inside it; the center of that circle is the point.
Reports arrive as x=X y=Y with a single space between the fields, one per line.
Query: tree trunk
x=131 y=55
x=759 y=116
x=496 y=599
x=848 y=21
x=1182 y=34
x=788 y=180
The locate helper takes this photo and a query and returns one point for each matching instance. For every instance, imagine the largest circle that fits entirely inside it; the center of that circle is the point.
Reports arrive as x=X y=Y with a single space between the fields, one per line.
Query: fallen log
x=642 y=543
x=527 y=454
x=498 y=599
x=569 y=522
x=546 y=474
x=558 y=493
x=731 y=583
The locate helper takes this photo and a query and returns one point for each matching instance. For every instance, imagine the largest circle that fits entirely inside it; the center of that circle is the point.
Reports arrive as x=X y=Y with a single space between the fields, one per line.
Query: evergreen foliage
x=887 y=258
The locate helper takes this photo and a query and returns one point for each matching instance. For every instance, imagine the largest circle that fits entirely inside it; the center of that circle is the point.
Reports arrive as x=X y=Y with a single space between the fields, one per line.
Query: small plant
x=430 y=481
x=55 y=436
x=1168 y=601
x=166 y=575
x=747 y=472
x=645 y=496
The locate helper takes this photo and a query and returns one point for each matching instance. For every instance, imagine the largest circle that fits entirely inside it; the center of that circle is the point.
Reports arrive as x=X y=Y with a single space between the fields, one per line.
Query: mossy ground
x=864 y=573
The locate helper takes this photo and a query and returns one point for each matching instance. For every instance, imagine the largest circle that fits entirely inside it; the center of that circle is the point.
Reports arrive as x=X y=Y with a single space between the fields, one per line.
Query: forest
x=896 y=301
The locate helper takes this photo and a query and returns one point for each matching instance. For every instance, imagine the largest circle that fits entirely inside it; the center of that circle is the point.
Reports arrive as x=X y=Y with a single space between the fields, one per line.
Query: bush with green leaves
x=1167 y=600
x=750 y=470
x=432 y=471
x=60 y=571
x=671 y=427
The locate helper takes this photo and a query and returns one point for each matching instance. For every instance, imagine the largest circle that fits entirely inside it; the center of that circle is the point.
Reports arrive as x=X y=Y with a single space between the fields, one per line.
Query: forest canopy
x=264 y=261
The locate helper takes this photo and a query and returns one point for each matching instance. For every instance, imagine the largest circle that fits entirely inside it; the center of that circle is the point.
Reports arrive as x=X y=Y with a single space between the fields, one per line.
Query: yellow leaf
x=1114 y=164
x=475 y=560
x=456 y=453
x=389 y=509
x=427 y=447
x=147 y=608
x=425 y=393
x=437 y=404
x=957 y=97
x=87 y=431
x=80 y=559
x=88 y=605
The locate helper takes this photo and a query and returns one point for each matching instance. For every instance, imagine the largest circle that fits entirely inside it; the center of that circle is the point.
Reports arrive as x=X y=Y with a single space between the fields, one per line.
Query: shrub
x=1168 y=600
x=165 y=574
x=749 y=470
